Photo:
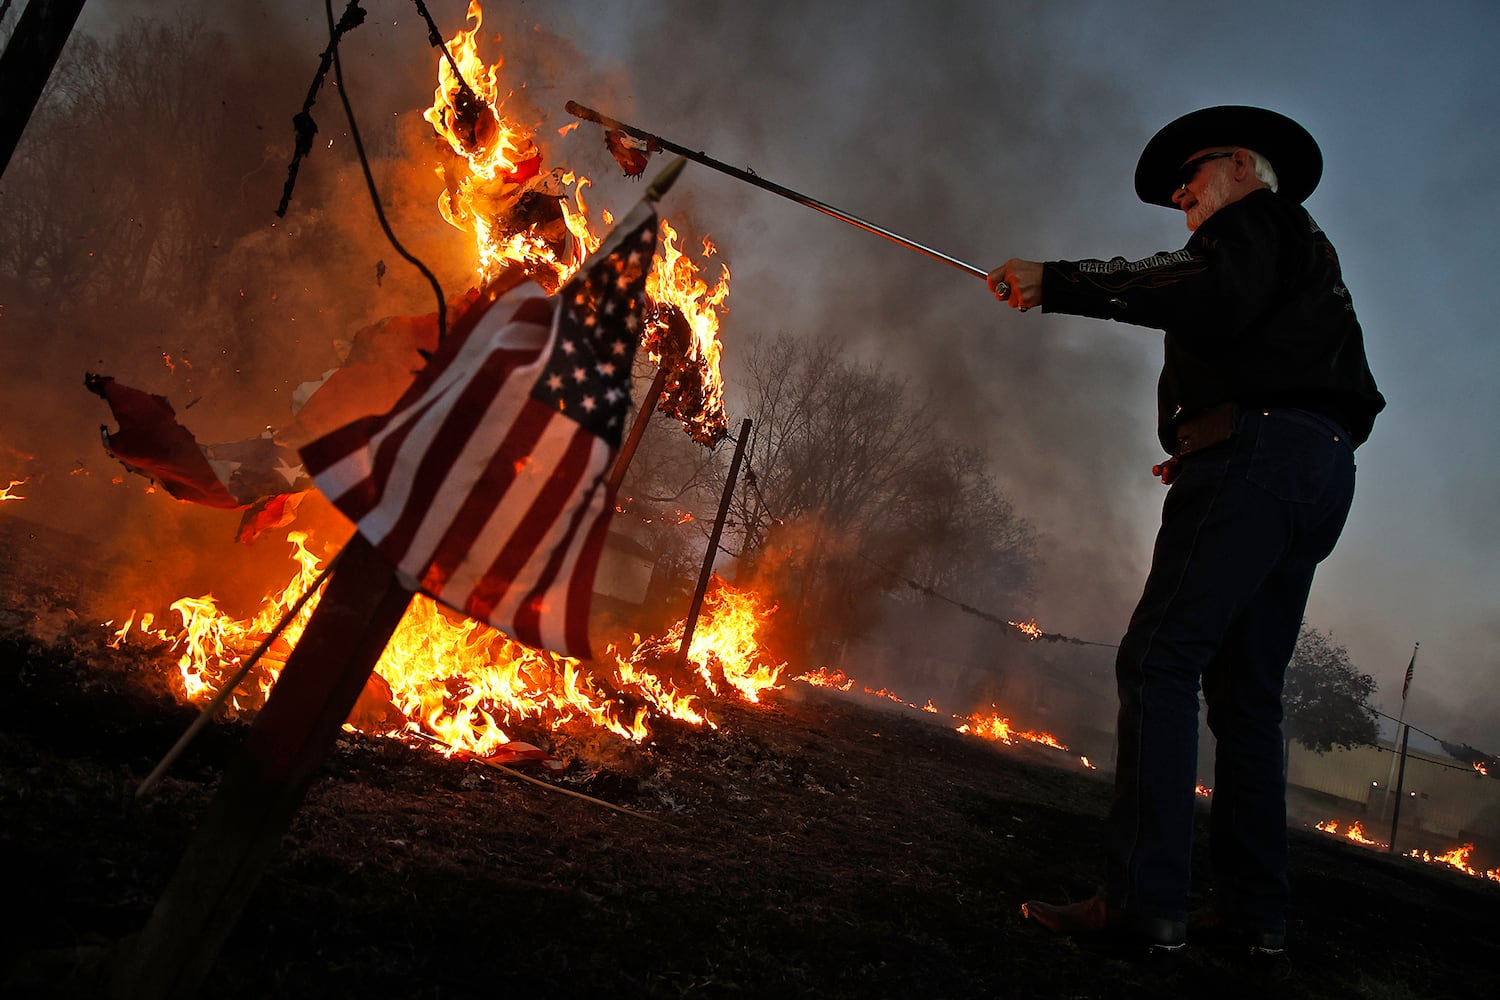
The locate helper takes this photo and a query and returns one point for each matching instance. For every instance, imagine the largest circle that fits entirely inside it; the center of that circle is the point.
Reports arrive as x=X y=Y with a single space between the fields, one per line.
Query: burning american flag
x=484 y=484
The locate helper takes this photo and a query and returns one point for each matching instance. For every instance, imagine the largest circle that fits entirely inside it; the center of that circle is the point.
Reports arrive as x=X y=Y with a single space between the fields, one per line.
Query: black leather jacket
x=1254 y=309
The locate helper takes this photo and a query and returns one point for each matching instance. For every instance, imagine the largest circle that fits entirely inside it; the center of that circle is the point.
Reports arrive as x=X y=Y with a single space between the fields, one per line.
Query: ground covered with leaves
x=812 y=846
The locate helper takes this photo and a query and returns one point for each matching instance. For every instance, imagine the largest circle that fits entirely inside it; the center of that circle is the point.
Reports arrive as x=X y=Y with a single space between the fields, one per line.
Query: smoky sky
x=995 y=129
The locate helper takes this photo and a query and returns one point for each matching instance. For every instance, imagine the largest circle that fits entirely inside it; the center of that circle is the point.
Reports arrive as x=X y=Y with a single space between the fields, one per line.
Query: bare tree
x=855 y=486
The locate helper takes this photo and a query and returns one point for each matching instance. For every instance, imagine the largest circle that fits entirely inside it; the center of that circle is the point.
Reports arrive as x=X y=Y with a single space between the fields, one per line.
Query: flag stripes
x=484 y=484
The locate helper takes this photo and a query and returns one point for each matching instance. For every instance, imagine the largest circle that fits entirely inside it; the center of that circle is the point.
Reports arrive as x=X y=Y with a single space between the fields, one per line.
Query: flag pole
x=1400 y=721
x=657 y=142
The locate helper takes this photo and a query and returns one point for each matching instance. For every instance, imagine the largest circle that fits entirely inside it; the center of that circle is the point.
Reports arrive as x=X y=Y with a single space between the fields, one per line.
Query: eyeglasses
x=1189 y=170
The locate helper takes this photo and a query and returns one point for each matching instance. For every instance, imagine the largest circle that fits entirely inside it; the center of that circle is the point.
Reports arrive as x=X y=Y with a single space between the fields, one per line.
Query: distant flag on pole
x=1410 y=667
x=485 y=483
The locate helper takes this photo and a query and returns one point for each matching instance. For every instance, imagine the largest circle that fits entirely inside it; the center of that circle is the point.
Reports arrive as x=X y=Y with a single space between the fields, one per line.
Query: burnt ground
x=816 y=846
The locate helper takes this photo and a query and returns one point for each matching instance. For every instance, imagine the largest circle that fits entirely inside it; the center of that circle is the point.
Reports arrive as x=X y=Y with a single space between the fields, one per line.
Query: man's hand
x=1168 y=470
x=1017 y=282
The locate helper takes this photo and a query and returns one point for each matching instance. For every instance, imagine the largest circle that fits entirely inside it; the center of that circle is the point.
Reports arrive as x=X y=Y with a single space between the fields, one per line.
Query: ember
x=1030 y=630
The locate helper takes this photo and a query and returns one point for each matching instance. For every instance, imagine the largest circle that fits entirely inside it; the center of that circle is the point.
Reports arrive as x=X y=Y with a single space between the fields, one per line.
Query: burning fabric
x=485 y=483
x=263 y=475
x=258 y=475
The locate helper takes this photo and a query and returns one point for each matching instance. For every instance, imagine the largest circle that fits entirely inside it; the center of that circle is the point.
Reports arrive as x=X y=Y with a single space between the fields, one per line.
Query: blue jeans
x=1243 y=529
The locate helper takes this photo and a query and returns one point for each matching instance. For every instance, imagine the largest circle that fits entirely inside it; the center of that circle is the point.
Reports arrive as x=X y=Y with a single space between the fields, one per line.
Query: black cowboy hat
x=1292 y=152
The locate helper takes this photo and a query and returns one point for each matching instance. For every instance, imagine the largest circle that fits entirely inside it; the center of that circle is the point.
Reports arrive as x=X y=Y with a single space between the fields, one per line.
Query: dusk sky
x=996 y=129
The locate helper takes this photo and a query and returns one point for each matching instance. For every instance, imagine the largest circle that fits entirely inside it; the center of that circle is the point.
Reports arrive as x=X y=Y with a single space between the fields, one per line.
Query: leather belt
x=1206 y=428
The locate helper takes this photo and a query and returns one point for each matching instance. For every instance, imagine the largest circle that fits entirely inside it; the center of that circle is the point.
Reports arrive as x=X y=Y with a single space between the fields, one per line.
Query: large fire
x=451 y=679
x=456 y=681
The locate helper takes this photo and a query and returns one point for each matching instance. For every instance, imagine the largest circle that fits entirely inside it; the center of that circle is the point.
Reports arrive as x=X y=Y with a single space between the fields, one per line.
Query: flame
x=1458 y=859
x=991 y=726
x=1203 y=791
x=499 y=193
x=1031 y=630
x=823 y=677
x=520 y=214
x=211 y=645
x=1356 y=832
x=685 y=337
x=725 y=653
x=455 y=680
x=6 y=493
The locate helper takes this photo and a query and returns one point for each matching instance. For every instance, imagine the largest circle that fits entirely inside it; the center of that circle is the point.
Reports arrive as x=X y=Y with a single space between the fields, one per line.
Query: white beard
x=1215 y=196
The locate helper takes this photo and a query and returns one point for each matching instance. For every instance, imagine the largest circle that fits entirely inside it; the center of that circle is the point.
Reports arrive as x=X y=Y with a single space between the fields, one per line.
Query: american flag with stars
x=484 y=485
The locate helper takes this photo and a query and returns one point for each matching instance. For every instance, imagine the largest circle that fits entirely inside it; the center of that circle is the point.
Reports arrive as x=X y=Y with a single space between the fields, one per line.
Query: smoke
x=942 y=121
x=947 y=124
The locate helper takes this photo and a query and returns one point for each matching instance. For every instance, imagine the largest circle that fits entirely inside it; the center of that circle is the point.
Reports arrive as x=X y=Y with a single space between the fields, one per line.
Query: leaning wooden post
x=713 y=545
x=262 y=789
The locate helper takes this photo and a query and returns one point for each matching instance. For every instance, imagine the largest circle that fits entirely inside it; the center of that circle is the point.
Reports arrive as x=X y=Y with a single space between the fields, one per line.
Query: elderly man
x=1264 y=394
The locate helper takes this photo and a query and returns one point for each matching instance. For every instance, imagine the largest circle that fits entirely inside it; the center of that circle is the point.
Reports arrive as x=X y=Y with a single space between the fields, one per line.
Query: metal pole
x=1400 y=720
x=713 y=545
x=579 y=111
x=1400 y=781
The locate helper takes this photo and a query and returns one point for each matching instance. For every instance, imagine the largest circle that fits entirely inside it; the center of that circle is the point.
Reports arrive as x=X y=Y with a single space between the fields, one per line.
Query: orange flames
x=1456 y=858
x=8 y=494
x=452 y=679
x=991 y=726
x=463 y=683
x=689 y=348
x=495 y=186
x=520 y=214
x=985 y=725
x=1355 y=832
x=1030 y=630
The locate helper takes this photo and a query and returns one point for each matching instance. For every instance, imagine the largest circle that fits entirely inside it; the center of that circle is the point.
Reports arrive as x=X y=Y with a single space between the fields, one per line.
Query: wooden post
x=32 y=51
x=264 y=786
x=713 y=545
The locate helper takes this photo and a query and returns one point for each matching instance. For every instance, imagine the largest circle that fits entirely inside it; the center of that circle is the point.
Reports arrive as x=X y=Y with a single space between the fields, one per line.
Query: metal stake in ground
x=656 y=141
x=691 y=623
